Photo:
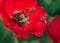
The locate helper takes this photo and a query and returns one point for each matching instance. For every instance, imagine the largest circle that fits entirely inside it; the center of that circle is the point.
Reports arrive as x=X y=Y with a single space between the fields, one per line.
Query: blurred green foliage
x=52 y=7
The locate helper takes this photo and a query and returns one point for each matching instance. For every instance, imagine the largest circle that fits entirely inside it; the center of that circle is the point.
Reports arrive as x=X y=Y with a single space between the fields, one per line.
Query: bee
x=21 y=18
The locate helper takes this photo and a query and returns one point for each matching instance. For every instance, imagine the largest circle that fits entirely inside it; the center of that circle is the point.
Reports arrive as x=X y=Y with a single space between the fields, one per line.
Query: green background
x=52 y=7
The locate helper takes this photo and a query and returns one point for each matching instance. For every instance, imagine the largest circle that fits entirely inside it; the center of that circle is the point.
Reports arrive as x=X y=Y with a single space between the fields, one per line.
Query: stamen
x=21 y=18
x=31 y=9
x=43 y=19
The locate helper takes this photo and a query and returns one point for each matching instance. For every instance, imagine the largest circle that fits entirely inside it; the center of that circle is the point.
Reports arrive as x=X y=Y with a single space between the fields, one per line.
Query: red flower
x=41 y=21
x=0 y=14
x=24 y=17
x=1 y=3
x=54 y=29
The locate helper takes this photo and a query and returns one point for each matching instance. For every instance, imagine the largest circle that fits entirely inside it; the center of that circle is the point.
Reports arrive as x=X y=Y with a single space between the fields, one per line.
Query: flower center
x=21 y=18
